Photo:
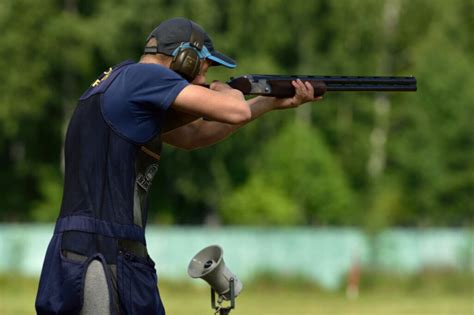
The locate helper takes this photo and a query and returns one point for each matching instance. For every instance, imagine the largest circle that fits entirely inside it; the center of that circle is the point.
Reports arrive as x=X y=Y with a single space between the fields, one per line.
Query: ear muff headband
x=203 y=53
x=187 y=57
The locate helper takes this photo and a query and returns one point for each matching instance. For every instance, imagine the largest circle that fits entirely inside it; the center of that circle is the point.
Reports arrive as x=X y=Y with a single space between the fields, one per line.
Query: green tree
x=52 y=50
x=301 y=174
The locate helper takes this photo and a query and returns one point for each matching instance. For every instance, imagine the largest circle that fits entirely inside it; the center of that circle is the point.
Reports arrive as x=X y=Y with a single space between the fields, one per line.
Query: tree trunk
x=382 y=105
x=68 y=84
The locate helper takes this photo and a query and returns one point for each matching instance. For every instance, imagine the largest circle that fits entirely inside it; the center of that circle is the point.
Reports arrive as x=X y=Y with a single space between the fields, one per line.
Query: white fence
x=322 y=254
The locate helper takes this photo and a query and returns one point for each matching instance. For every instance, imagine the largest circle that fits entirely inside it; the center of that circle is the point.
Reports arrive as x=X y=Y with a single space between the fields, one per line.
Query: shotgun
x=280 y=85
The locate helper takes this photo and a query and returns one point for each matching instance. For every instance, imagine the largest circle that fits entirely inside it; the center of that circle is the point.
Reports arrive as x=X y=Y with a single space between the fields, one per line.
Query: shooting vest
x=103 y=214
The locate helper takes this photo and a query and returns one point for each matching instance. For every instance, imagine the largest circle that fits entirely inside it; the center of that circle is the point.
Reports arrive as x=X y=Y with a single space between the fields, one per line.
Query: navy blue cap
x=173 y=33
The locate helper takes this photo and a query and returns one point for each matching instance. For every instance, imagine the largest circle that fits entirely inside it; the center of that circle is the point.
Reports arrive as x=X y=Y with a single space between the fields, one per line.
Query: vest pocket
x=137 y=285
x=60 y=289
x=72 y=287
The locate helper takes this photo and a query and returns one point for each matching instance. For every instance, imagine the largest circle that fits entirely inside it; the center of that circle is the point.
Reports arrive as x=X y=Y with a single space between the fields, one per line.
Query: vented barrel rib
x=280 y=85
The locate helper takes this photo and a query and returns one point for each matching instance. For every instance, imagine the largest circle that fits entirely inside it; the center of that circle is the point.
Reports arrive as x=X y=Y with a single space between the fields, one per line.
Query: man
x=97 y=262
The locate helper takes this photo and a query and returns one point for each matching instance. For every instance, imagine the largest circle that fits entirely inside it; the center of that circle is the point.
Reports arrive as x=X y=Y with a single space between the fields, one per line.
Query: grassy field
x=17 y=297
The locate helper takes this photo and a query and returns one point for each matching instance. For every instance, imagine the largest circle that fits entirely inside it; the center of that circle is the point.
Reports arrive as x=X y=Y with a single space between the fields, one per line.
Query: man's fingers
x=219 y=86
x=310 y=89
x=304 y=92
x=299 y=88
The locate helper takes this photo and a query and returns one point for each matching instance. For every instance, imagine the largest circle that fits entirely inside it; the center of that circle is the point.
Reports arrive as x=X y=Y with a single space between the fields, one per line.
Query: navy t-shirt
x=135 y=103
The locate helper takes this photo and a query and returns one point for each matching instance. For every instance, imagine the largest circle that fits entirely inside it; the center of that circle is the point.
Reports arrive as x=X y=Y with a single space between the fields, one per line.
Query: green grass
x=268 y=297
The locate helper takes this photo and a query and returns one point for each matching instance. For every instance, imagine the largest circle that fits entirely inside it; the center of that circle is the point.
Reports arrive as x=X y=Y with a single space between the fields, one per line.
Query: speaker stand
x=219 y=309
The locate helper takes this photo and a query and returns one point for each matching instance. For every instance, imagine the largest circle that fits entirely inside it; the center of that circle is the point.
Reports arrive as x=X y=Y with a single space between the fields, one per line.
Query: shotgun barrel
x=280 y=85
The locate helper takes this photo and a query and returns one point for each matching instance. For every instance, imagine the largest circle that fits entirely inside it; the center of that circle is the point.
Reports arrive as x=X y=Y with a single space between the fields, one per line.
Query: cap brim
x=221 y=59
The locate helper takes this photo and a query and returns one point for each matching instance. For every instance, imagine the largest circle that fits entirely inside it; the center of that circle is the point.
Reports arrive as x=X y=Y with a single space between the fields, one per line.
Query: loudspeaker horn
x=209 y=265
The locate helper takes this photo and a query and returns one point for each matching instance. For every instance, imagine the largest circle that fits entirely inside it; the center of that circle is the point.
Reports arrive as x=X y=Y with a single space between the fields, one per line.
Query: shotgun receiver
x=280 y=85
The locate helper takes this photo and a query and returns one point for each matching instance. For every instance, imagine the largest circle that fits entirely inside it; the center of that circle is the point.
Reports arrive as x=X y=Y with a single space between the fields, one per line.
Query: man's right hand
x=227 y=89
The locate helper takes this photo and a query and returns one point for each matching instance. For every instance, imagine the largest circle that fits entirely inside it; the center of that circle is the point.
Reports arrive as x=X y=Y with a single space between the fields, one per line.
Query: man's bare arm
x=175 y=119
x=201 y=133
x=219 y=103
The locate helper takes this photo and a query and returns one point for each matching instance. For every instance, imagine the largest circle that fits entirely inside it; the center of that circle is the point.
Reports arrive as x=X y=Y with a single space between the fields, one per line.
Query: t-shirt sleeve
x=155 y=85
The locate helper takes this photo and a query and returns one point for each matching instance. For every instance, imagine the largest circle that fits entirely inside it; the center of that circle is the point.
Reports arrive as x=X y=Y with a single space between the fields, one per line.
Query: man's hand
x=304 y=93
x=225 y=88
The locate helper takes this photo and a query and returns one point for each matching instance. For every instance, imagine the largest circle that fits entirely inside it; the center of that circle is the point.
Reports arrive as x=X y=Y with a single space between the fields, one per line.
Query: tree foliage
x=307 y=166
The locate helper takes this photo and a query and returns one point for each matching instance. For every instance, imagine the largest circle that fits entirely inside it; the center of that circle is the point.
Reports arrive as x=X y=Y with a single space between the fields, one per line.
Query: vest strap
x=92 y=225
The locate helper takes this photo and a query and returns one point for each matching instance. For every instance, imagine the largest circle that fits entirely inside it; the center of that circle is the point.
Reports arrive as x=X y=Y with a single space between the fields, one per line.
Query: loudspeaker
x=209 y=265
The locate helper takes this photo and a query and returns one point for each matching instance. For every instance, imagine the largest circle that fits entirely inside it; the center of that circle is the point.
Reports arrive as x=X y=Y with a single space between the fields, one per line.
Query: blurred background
x=359 y=204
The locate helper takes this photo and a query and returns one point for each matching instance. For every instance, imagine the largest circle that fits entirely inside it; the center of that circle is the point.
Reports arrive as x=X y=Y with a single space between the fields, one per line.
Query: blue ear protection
x=187 y=57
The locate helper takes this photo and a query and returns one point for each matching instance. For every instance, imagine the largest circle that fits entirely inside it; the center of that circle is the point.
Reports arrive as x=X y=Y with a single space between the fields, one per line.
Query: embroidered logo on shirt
x=106 y=75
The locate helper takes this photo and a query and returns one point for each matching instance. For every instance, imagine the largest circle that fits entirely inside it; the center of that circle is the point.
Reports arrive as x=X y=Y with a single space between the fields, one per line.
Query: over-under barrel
x=281 y=86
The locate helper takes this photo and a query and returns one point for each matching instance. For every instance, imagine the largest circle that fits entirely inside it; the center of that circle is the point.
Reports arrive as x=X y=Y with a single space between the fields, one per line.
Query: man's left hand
x=304 y=93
